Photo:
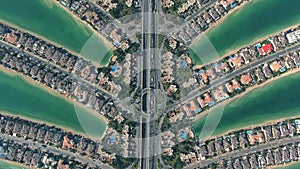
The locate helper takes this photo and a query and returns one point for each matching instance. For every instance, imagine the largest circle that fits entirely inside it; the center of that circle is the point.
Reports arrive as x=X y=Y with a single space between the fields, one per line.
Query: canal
x=50 y=21
x=19 y=97
x=276 y=100
x=10 y=165
x=255 y=20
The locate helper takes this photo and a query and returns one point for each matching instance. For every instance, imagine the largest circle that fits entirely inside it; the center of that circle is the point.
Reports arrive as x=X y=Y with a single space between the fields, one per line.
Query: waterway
x=257 y=19
x=18 y=97
x=291 y=166
x=279 y=99
x=49 y=20
x=9 y=165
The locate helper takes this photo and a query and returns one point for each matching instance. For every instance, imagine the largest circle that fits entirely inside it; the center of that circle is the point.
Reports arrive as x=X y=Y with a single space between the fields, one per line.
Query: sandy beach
x=204 y=113
x=54 y=93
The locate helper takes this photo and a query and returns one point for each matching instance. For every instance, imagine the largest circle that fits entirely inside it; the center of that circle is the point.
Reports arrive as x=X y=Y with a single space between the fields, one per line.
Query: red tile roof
x=266 y=48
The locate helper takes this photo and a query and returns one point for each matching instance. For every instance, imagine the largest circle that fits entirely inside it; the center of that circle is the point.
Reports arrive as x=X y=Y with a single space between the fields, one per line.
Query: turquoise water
x=5 y=165
x=255 y=20
x=292 y=166
x=19 y=97
x=279 y=99
x=49 y=20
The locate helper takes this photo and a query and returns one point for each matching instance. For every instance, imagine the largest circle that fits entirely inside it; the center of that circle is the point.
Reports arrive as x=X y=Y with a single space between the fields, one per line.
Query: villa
x=246 y=79
x=235 y=61
x=232 y=86
x=266 y=49
x=11 y=38
x=205 y=100
x=276 y=66
x=227 y=3
x=168 y=3
x=255 y=138
x=293 y=36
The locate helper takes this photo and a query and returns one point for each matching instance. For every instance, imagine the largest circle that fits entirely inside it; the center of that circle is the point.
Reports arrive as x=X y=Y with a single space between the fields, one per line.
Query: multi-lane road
x=148 y=79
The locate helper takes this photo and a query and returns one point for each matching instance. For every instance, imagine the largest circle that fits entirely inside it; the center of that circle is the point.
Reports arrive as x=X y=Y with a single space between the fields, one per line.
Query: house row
x=247 y=138
x=173 y=137
x=108 y=5
x=86 y=11
x=277 y=156
x=230 y=88
x=91 y=13
x=57 y=80
x=206 y=18
x=243 y=57
x=168 y=72
x=73 y=64
x=120 y=143
x=38 y=157
x=52 y=136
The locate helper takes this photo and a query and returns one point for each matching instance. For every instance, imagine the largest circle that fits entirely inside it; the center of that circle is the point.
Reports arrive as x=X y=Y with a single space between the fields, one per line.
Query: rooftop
x=246 y=79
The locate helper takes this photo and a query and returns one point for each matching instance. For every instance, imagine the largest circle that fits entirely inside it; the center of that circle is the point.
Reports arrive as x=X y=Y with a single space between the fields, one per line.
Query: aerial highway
x=148 y=83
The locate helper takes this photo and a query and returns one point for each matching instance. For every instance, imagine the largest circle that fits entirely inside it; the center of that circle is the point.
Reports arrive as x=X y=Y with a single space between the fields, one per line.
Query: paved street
x=95 y=5
x=51 y=149
x=191 y=17
x=148 y=83
x=238 y=153
x=74 y=77
x=221 y=80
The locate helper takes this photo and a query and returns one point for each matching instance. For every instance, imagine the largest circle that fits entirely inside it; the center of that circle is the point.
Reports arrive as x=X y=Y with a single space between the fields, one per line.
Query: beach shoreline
x=54 y=93
x=250 y=89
